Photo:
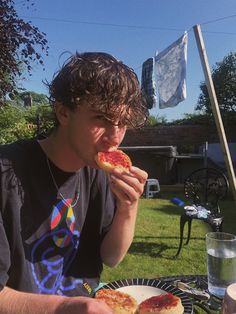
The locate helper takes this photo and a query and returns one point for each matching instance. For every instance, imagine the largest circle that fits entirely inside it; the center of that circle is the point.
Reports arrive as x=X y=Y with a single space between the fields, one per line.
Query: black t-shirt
x=46 y=245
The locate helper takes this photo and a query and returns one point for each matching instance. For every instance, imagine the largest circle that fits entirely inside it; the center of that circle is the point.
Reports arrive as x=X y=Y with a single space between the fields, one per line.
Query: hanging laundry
x=170 y=66
x=148 y=84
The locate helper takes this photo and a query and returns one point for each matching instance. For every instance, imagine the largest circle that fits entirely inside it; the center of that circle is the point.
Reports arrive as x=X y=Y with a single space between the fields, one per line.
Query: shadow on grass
x=151 y=248
x=154 y=249
x=227 y=209
x=169 y=209
x=201 y=238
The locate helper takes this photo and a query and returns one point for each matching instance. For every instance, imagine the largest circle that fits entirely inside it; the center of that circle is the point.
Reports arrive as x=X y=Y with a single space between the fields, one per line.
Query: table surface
x=213 y=305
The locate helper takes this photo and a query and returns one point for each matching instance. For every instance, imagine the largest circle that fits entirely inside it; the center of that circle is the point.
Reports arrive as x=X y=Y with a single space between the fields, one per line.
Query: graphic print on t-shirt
x=62 y=212
x=53 y=252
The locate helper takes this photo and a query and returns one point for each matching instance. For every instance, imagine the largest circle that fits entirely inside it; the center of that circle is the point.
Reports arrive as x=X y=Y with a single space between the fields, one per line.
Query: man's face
x=88 y=132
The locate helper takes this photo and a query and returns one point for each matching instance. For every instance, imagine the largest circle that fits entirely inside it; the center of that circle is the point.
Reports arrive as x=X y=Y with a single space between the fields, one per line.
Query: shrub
x=18 y=123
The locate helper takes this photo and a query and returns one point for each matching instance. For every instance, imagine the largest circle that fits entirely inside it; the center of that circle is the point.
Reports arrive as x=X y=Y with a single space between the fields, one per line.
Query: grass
x=156 y=242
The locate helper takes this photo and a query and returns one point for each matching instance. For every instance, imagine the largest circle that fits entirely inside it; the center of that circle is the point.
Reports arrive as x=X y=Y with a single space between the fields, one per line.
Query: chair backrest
x=205 y=187
x=152 y=188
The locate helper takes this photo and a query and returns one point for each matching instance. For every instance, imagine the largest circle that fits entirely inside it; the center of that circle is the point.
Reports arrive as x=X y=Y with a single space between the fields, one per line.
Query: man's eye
x=104 y=120
x=100 y=117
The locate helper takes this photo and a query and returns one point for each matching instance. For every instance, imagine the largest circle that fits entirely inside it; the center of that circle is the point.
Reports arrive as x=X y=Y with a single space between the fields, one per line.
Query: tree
x=20 y=43
x=156 y=120
x=196 y=118
x=224 y=79
x=18 y=122
x=37 y=99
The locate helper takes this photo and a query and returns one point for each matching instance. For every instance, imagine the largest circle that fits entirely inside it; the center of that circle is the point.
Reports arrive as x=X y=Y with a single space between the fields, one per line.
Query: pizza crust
x=119 y=302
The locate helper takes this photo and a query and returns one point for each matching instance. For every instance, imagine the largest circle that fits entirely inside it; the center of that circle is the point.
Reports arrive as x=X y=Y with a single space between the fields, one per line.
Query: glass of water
x=221 y=261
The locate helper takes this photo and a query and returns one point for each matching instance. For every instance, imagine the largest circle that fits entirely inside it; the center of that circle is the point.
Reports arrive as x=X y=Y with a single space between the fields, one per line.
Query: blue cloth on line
x=148 y=84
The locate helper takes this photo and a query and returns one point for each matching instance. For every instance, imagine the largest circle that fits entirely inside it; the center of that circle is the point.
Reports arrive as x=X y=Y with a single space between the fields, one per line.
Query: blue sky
x=132 y=31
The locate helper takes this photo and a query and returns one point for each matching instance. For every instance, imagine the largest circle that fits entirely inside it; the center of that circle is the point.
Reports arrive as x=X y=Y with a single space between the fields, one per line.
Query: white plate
x=141 y=293
x=142 y=289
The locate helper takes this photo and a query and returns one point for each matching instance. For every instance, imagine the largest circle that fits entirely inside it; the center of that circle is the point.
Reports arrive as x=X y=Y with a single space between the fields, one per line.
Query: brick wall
x=187 y=138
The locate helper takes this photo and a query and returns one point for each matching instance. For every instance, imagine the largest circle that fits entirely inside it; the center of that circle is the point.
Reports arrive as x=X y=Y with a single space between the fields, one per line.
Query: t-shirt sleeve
x=4 y=243
x=4 y=255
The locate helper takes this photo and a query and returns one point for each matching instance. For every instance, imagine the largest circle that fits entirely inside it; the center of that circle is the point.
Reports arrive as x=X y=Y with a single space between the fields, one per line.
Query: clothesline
x=65 y=20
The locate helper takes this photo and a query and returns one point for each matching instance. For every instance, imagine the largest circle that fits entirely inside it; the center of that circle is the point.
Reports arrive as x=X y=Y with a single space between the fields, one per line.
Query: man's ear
x=62 y=113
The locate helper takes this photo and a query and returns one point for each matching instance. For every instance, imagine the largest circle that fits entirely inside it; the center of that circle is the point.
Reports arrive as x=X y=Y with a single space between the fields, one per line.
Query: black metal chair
x=204 y=188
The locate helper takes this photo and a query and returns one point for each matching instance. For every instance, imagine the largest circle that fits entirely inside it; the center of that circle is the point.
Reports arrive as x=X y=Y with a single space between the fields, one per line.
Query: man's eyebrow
x=110 y=116
x=100 y=112
x=93 y=111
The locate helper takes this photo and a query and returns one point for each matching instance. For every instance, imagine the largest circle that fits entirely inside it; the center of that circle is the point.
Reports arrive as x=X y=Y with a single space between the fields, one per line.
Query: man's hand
x=128 y=186
x=16 y=302
x=76 y=305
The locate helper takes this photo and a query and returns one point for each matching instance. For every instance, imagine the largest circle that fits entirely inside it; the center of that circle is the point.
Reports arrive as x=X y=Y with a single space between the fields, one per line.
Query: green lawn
x=156 y=242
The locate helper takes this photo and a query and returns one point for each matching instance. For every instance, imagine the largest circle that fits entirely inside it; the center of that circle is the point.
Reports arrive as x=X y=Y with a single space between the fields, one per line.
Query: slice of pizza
x=120 y=302
x=113 y=159
x=161 y=304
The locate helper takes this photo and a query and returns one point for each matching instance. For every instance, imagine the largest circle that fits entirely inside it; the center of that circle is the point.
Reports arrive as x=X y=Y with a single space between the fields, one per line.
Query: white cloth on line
x=170 y=66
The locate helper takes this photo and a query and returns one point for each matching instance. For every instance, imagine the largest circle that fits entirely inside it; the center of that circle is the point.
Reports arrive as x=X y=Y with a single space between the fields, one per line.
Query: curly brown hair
x=103 y=83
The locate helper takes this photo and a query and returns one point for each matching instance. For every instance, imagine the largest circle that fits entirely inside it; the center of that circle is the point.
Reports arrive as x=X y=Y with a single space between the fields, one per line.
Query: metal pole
x=205 y=154
x=215 y=108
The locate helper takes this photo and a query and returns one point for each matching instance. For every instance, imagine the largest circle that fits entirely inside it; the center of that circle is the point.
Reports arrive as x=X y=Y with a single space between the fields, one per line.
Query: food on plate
x=166 y=303
x=113 y=159
x=120 y=302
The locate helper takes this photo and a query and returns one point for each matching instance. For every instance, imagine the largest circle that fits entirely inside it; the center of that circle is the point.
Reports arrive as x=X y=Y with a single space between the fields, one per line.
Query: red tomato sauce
x=115 y=158
x=160 y=302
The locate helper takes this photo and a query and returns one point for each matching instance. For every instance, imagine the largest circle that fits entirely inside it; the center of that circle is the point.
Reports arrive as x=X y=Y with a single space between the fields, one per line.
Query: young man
x=61 y=217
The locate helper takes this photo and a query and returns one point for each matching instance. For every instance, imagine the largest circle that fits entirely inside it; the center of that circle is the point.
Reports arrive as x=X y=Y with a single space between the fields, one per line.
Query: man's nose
x=115 y=134
x=116 y=129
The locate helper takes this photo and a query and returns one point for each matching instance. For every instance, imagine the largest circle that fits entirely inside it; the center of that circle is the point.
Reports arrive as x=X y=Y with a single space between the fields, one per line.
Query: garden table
x=211 y=306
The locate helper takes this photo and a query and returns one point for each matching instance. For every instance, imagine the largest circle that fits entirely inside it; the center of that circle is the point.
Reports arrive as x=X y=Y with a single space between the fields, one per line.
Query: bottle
x=177 y=201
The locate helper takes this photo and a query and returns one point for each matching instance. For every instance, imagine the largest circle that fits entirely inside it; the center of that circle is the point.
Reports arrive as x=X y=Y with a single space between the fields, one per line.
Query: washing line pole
x=215 y=108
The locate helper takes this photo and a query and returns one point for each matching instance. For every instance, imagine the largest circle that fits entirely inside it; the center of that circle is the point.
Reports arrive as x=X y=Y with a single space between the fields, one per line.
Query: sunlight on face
x=89 y=131
x=108 y=130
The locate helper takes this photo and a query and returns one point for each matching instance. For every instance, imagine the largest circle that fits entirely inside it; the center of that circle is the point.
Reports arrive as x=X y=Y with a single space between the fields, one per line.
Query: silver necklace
x=77 y=195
